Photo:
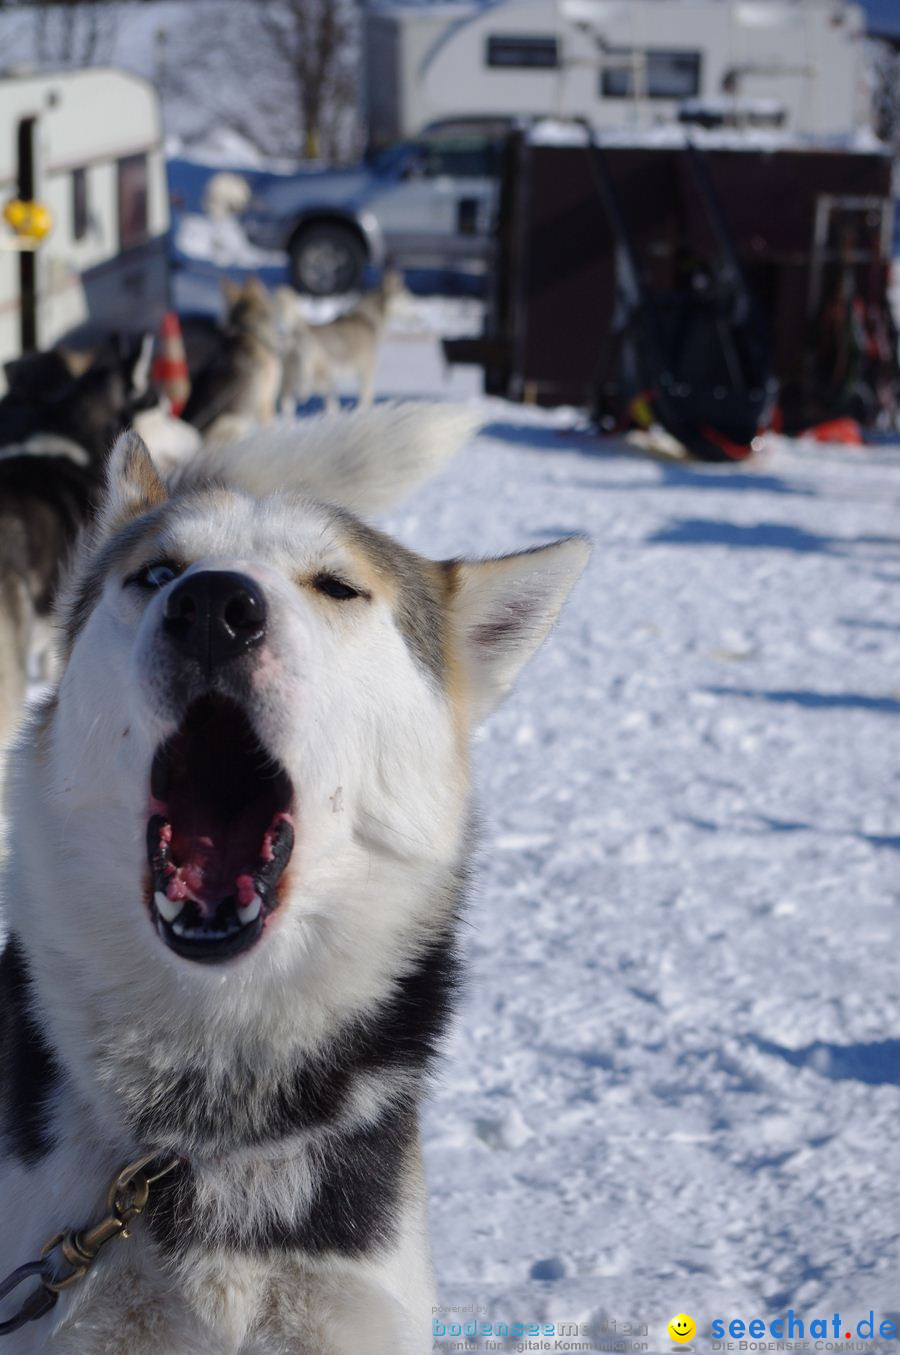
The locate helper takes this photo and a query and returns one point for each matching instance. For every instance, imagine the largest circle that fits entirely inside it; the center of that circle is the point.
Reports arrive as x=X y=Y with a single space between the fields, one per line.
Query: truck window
x=79 y=203
x=463 y=158
x=133 y=214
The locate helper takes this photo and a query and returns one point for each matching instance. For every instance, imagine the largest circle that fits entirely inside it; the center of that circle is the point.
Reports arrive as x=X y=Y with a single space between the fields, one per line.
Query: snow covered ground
x=674 y=1082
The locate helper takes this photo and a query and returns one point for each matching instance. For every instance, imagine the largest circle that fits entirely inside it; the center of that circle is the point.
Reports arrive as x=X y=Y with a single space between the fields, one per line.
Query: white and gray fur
x=289 y=1080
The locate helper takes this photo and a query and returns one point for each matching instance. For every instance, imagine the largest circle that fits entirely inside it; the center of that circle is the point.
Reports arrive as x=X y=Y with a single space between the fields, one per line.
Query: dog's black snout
x=215 y=615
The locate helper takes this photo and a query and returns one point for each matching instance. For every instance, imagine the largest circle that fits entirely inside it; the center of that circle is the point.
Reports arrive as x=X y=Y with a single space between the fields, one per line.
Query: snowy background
x=675 y=1079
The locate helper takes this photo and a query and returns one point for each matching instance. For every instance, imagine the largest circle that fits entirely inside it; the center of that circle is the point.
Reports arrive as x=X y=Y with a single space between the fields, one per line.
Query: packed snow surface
x=674 y=1080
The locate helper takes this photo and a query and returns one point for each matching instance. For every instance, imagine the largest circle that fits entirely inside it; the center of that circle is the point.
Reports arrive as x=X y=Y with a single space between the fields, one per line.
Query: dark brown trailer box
x=798 y=218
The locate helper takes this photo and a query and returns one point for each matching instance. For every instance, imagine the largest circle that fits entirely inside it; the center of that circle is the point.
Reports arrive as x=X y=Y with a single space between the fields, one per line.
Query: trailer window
x=523 y=51
x=79 y=203
x=133 y=217
x=659 y=75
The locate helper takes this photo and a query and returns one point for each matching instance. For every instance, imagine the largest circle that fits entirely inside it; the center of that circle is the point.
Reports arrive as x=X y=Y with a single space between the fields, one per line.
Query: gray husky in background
x=316 y=356
x=239 y=840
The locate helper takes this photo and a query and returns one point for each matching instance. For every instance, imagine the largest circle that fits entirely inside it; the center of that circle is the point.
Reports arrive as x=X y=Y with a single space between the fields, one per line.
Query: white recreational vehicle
x=791 y=64
x=83 y=207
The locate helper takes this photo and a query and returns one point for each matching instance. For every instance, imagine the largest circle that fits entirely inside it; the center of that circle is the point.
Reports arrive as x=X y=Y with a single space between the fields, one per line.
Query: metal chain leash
x=67 y=1257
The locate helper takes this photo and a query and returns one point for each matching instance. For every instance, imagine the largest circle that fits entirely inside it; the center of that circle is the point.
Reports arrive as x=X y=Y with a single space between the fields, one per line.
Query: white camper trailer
x=81 y=153
x=617 y=63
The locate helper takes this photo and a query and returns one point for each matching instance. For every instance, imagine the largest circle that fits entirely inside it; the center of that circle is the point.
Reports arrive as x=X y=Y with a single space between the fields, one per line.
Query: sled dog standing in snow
x=316 y=355
x=237 y=387
x=239 y=842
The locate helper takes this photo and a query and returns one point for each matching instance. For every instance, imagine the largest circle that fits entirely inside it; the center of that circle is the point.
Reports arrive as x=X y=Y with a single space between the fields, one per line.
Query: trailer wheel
x=327 y=259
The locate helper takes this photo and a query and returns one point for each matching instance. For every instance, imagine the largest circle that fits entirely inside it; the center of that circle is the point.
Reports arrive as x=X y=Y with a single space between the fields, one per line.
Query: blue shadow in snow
x=764 y=824
x=695 y=475
x=857 y=623
x=758 y=536
x=672 y=474
x=884 y=705
x=540 y=436
x=890 y=841
x=876 y=1063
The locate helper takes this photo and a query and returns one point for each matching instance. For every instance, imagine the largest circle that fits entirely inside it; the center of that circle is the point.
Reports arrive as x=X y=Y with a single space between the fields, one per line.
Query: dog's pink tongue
x=194 y=877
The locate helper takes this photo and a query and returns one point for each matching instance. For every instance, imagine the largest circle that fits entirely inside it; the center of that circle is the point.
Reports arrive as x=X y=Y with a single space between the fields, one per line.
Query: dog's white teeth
x=165 y=907
x=250 y=911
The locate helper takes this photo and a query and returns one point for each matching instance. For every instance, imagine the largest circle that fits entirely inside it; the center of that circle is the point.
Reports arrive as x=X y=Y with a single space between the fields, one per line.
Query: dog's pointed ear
x=133 y=485
x=503 y=610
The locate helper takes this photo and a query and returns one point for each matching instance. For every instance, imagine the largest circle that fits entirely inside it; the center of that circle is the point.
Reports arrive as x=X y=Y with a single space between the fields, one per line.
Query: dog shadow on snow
x=700 y=531
x=671 y=474
x=882 y=705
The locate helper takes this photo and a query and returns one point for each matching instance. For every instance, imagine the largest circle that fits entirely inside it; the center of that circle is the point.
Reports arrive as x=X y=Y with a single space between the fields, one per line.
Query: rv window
x=521 y=51
x=79 y=203
x=660 y=75
x=132 y=201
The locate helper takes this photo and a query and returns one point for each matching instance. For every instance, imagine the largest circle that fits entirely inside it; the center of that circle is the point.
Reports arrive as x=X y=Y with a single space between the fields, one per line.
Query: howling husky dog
x=239 y=840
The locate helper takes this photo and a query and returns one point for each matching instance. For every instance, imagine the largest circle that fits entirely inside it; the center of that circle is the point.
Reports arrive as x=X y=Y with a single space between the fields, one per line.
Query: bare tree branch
x=72 y=32
x=293 y=62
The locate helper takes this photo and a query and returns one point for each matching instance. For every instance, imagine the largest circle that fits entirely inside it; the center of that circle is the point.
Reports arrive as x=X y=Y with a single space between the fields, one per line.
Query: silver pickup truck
x=419 y=204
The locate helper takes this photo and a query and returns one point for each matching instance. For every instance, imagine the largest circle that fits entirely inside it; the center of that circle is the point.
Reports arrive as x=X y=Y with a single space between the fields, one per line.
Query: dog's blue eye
x=154 y=576
x=333 y=587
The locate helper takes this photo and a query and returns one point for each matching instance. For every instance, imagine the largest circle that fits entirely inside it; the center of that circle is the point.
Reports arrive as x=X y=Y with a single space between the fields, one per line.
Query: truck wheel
x=327 y=260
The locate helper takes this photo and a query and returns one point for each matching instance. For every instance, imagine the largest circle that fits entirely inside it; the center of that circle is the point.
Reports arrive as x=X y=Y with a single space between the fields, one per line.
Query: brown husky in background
x=237 y=387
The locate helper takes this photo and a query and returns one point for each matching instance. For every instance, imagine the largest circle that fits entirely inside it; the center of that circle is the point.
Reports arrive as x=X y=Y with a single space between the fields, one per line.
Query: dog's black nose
x=214 y=616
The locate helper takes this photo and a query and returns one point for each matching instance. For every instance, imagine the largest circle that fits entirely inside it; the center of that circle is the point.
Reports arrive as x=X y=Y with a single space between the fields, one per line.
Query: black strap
x=37 y=1304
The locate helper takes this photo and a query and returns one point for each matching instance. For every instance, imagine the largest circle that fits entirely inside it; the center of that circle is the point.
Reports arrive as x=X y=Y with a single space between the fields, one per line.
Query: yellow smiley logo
x=682 y=1328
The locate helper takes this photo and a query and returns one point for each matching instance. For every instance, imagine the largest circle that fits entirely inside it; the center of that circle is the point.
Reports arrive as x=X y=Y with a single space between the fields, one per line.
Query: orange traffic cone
x=170 y=369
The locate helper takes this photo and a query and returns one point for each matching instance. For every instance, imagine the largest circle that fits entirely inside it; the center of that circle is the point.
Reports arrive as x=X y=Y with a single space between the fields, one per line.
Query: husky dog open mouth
x=240 y=835
x=220 y=833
